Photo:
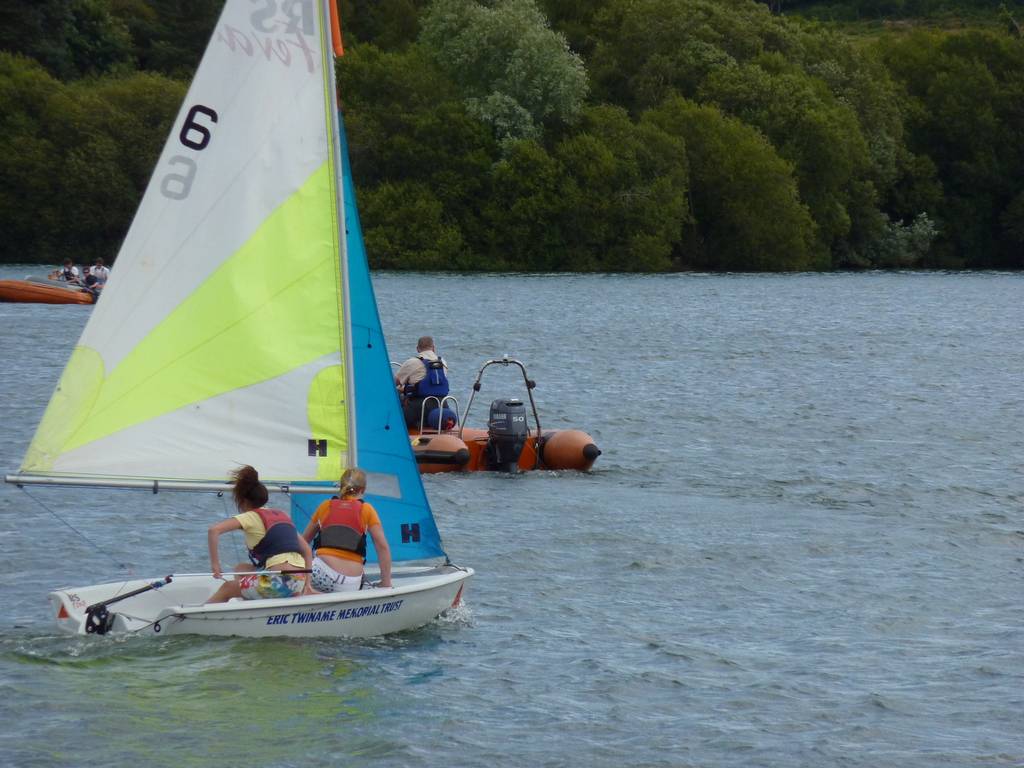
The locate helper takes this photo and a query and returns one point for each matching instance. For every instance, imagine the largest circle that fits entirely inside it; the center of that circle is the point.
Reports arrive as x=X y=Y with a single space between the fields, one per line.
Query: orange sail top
x=339 y=48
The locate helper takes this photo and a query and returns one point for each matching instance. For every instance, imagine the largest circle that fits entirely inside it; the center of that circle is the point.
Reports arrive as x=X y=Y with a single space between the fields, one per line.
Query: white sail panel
x=268 y=136
x=218 y=340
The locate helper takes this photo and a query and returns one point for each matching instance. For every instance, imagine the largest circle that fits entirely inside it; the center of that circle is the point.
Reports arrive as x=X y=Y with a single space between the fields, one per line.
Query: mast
x=330 y=35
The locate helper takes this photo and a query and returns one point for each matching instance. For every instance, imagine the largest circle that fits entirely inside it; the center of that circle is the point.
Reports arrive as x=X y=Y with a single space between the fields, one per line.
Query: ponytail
x=353 y=482
x=248 y=490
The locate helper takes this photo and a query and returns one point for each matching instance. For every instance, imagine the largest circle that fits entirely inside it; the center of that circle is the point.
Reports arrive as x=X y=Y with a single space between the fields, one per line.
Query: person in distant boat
x=100 y=271
x=420 y=377
x=274 y=545
x=93 y=286
x=338 y=532
x=67 y=273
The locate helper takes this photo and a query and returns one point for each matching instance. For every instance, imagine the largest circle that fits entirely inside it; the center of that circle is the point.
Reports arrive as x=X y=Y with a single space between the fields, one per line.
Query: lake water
x=802 y=546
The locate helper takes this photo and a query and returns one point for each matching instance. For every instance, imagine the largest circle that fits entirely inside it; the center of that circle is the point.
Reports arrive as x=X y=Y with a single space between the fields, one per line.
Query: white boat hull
x=419 y=595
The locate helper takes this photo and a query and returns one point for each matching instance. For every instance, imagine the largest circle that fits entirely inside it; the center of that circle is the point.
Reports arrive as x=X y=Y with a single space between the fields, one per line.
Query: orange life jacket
x=342 y=527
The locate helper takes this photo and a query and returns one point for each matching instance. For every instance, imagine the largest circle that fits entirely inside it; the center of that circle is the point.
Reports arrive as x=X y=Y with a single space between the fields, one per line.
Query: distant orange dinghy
x=40 y=290
x=509 y=444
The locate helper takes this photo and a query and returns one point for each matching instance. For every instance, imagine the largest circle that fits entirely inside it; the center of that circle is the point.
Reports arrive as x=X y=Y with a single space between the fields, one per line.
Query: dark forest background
x=538 y=135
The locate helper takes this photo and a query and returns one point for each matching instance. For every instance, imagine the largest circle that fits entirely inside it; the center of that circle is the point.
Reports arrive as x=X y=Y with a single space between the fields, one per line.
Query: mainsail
x=220 y=338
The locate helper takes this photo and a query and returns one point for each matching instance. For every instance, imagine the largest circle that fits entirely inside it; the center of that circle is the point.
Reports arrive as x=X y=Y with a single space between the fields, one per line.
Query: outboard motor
x=506 y=435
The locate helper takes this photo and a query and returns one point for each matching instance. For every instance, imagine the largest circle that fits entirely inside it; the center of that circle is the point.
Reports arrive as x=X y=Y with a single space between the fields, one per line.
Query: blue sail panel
x=411 y=534
x=382 y=442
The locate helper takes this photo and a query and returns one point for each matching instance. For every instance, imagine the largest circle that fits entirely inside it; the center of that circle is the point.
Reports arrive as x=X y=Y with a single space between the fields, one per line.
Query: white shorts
x=326 y=579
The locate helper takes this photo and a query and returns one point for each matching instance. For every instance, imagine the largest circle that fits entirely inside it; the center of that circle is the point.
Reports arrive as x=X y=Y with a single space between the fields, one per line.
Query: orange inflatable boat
x=509 y=444
x=40 y=290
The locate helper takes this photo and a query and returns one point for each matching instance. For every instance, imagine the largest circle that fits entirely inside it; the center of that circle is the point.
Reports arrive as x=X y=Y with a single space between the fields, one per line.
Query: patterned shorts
x=265 y=586
x=326 y=579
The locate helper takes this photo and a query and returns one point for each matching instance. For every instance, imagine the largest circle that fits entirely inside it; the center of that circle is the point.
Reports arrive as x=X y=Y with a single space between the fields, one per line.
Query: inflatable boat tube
x=39 y=292
x=568 y=449
x=439 y=453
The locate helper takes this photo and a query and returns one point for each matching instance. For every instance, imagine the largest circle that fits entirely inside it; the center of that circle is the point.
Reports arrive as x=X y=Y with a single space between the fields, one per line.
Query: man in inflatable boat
x=421 y=377
x=68 y=273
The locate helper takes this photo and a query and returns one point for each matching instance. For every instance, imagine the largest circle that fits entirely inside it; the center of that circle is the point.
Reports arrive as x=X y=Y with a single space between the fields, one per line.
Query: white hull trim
x=419 y=595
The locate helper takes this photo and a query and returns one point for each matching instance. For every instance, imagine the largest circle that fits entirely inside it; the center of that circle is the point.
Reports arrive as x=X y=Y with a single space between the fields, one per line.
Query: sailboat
x=240 y=327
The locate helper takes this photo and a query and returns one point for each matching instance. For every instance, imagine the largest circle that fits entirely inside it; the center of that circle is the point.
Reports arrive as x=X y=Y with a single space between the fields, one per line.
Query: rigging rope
x=123 y=566
x=242 y=554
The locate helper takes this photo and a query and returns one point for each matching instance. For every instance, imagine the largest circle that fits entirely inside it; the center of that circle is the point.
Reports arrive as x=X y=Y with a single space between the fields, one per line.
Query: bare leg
x=230 y=589
x=227 y=590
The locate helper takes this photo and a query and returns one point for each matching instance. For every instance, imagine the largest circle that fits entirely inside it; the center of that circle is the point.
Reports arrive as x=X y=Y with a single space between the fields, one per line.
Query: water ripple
x=803 y=546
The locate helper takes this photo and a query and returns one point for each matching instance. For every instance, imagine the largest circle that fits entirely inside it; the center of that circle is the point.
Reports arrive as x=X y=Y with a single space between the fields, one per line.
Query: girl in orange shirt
x=338 y=533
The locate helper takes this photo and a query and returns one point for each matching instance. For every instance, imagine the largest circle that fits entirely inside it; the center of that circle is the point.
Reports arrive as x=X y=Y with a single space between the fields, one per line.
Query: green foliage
x=144 y=106
x=1012 y=220
x=611 y=196
x=516 y=73
x=169 y=35
x=384 y=95
x=408 y=230
x=74 y=159
x=809 y=127
x=649 y=50
x=828 y=108
x=964 y=93
x=522 y=210
x=625 y=202
x=857 y=10
x=902 y=246
x=97 y=42
x=28 y=184
x=405 y=124
x=389 y=24
x=747 y=211
x=627 y=135
x=575 y=20
x=71 y=38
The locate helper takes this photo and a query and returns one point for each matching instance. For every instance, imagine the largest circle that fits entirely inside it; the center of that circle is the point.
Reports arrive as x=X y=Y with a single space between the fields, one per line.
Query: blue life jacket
x=434 y=384
x=280 y=537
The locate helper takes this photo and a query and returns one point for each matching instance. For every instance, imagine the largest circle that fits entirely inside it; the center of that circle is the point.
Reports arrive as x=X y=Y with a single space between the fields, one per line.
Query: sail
x=219 y=339
x=395 y=487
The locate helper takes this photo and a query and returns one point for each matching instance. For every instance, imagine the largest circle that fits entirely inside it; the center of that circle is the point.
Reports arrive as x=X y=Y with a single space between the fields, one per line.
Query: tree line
x=611 y=135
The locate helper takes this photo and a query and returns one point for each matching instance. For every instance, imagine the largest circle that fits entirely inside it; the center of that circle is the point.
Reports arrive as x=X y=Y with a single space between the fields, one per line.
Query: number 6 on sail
x=228 y=323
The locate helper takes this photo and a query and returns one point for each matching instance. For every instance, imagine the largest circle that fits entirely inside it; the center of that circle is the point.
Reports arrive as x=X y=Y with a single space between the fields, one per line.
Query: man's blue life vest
x=434 y=384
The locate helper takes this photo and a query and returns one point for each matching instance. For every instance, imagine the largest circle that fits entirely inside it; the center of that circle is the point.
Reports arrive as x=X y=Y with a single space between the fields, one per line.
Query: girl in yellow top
x=338 y=531
x=273 y=542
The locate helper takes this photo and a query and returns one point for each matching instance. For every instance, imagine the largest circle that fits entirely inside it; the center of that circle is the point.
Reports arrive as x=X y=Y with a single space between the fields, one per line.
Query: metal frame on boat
x=509 y=444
